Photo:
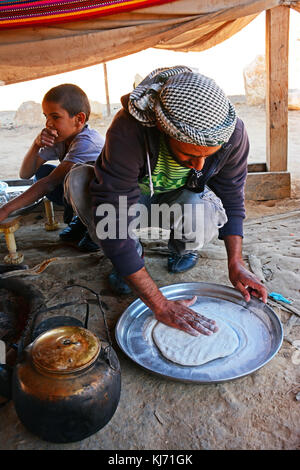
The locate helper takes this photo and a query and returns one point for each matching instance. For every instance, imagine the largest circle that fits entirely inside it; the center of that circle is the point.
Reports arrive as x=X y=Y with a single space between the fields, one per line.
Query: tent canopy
x=40 y=50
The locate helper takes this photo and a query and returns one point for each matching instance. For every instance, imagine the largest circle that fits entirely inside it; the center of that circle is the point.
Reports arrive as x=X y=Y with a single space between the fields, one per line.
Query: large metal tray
x=257 y=326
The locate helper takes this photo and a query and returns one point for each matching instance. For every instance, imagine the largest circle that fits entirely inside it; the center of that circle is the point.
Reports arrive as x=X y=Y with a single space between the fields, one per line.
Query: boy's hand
x=46 y=138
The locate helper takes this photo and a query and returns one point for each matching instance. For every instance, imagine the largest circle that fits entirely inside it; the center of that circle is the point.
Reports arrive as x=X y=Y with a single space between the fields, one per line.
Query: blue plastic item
x=276 y=296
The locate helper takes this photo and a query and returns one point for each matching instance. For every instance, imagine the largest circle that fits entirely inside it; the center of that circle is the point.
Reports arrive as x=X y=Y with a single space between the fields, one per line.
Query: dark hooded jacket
x=123 y=163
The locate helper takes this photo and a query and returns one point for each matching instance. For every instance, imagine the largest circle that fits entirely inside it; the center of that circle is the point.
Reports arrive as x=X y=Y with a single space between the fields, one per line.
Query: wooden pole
x=277 y=50
x=106 y=89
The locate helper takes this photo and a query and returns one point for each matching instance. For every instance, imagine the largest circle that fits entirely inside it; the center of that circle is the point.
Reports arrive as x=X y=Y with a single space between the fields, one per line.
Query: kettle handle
x=67 y=304
x=100 y=305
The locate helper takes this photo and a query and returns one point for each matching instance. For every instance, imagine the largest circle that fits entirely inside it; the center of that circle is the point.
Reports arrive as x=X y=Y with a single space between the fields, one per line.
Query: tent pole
x=277 y=50
x=106 y=89
x=274 y=181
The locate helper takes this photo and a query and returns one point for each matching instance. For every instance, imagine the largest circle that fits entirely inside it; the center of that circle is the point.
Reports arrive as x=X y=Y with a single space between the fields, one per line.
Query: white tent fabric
x=183 y=25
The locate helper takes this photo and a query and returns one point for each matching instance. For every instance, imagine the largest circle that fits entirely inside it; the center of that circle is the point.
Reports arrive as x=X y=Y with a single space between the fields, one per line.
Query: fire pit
x=18 y=300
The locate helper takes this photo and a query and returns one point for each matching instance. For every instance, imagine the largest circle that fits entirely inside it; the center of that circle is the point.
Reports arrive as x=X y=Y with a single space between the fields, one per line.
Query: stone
x=137 y=80
x=255 y=85
x=254 y=81
x=29 y=114
x=294 y=100
x=96 y=109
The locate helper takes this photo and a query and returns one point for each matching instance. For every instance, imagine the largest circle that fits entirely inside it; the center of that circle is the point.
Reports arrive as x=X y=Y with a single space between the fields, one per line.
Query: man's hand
x=46 y=138
x=246 y=282
x=175 y=313
x=239 y=276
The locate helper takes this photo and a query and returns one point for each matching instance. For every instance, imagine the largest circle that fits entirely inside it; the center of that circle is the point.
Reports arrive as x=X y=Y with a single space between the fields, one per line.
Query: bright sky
x=224 y=62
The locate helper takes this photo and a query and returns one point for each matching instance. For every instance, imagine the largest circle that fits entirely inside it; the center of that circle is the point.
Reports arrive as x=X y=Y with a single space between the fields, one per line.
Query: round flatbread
x=187 y=350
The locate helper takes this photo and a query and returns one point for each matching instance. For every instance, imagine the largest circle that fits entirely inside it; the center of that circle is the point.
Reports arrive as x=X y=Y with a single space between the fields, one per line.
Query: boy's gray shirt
x=85 y=147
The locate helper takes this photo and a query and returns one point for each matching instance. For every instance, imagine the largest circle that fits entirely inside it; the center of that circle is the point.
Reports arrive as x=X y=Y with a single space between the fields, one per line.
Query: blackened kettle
x=67 y=384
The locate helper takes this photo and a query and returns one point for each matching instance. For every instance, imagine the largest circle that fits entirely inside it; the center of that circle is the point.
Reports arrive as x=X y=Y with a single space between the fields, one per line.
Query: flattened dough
x=187 y=350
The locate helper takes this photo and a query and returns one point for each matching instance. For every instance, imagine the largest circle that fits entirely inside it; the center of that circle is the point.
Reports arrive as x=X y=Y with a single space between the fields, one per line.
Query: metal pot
x=67 y=384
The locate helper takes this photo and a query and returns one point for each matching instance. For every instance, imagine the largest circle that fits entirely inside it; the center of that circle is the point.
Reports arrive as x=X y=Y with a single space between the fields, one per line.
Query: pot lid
x=65 y=349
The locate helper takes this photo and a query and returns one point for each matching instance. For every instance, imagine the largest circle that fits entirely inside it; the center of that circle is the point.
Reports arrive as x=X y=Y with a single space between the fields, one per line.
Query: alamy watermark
x=185 y=220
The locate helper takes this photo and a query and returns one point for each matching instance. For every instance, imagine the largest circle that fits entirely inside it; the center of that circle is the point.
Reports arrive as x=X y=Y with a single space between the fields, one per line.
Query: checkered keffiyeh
x=188 y=106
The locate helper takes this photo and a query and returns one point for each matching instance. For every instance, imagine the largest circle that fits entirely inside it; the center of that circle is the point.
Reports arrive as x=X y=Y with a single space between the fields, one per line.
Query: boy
x=68 y=138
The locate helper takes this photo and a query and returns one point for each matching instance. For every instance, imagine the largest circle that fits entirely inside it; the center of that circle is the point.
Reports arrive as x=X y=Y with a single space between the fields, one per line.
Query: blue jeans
x=57 y=195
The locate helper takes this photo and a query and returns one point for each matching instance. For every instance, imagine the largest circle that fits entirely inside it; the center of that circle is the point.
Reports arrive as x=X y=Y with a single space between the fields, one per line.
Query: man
x=176 y=122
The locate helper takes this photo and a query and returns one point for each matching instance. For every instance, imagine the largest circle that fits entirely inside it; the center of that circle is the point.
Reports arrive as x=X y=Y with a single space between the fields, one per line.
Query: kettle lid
x=65 y=349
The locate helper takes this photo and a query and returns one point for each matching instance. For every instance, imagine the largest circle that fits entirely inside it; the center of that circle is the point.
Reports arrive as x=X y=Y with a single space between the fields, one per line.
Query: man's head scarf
x=188 y=106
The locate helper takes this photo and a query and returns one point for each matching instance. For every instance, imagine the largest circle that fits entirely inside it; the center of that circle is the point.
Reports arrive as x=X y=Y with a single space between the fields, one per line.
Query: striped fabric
x=19 y=13
x=167 y=174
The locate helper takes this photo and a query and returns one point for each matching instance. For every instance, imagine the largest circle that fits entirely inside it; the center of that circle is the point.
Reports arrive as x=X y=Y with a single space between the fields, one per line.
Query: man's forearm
x=147 y=290
x=234 y=247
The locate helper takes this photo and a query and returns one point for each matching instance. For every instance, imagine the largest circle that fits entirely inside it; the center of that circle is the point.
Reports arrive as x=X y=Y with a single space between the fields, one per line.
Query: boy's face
x=59 y=121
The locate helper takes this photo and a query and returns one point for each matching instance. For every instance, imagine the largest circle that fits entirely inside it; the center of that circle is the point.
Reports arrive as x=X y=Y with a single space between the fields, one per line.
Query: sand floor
x=258 y=411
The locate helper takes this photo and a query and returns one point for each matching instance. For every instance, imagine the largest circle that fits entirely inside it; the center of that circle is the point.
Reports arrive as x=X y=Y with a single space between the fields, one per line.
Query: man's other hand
x=247 y=283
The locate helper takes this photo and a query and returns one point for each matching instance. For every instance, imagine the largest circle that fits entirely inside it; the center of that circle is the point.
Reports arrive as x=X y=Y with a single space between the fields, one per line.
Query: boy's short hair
x=72 y=98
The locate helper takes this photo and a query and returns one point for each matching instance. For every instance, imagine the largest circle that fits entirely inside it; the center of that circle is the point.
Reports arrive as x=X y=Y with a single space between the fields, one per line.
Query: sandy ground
x=259 y=411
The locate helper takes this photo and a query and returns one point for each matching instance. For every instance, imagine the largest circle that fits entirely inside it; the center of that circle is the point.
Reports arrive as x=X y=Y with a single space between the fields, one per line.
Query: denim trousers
x=57 y=195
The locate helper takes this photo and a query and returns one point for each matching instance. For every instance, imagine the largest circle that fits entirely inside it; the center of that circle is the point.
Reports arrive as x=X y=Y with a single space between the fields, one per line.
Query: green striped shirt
x=167 y=174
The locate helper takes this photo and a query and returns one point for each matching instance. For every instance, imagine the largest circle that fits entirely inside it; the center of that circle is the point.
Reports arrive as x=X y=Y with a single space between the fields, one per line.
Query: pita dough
x=187 y=350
